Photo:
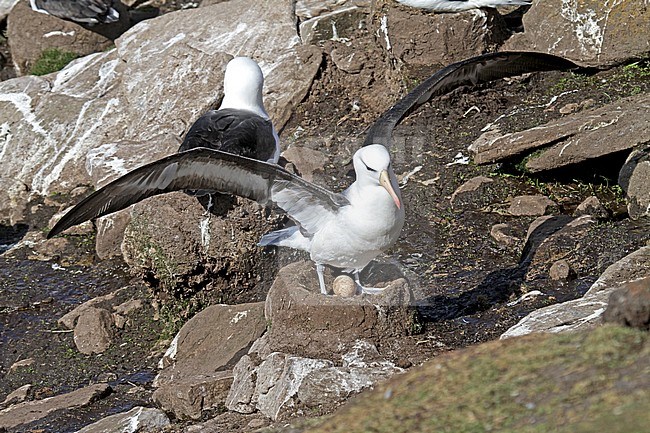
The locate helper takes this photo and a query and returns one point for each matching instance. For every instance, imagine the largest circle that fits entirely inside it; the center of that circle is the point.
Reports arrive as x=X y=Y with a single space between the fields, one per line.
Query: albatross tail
x=289 y=237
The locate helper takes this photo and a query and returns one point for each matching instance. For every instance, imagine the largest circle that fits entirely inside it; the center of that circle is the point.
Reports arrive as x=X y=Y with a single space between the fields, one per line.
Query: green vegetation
x=542 y=383
x=52 y=60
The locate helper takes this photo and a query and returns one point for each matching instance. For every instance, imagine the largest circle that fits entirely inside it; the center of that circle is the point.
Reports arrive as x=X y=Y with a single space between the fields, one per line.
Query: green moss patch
x=52 y=60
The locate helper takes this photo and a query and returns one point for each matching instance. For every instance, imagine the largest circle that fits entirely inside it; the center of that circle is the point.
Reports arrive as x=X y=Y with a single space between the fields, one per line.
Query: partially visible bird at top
x=88 y=12
x=461 y=5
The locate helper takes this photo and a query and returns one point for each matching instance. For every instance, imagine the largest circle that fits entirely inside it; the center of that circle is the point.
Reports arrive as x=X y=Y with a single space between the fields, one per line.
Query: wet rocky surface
x=478 y=251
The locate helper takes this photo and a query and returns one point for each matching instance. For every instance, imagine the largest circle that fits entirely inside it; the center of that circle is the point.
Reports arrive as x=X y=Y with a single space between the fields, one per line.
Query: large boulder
x=421 y=39
x=196 y=372
x=576 y=138
x=148 y=90
x=303 y=322
x=589 y=32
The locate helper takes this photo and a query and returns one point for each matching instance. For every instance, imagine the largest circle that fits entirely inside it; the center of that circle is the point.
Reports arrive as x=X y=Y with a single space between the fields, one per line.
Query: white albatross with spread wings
x=461 y=5
x=346 y=230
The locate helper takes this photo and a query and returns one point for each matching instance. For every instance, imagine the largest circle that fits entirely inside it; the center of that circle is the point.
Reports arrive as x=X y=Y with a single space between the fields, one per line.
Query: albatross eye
x=368 y=168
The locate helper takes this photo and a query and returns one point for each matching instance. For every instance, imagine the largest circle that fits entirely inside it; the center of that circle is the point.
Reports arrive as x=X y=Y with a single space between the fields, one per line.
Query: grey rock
x=589 y=33
x=138 y=419
x=18 y=395
x=630 y=305
x=423 y=40
x=530 y=205
x=634 y=178
x=196 y=372
x=93 y=331
x=280 y=384
x=586 y=312
x=30 y=411
x=579 y=137
x=592 y=206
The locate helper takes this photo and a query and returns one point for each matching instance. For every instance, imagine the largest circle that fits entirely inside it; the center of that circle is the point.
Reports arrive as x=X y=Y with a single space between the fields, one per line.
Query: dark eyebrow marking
x=371 y=169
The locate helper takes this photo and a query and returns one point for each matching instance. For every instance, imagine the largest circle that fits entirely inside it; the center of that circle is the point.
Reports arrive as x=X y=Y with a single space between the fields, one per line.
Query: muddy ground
x=462 y=278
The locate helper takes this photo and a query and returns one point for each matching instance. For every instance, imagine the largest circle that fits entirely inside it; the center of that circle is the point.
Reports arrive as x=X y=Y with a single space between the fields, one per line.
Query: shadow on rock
x=11 y=235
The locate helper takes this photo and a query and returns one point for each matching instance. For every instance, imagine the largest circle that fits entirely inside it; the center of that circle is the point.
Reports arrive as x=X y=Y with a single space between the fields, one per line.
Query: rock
x=5 y=8
x=128 y=306
x=137 y=419
x=530 y=205
x=337 y=25
x=630 y=305
x=634 y=178
x=21 y=363
x=561 y=270
x=93 y=331
x=30 y=411
x=52 y=124
x=585 y=312
x=592 y=206
x=187 y=397
x=590 y=33
x=500 y=233
x=31 y=33
x=344 y=286
x=110 y=234
x=18 y=395
x=196 y=376
x=348 y=59
x=307 y=161
x=579 y=137
x=178 y=248
x=305 y=323
x=424 y=39
x=467 y=193
x=70 y=319
x=280 y=384
x=553 y=238
x=306 y=9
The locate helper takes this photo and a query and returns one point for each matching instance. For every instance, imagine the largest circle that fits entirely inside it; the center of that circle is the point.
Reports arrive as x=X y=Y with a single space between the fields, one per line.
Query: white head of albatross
x=242 y=86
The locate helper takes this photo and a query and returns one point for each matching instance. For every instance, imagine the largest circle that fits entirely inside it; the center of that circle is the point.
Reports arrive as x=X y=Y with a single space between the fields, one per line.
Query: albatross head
x=242 y=86
x=372 y=166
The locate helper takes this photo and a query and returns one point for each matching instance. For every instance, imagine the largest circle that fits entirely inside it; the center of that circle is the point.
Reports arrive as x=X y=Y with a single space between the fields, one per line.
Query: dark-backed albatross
x=89 y=12
x=345 y=230
x=461 y=5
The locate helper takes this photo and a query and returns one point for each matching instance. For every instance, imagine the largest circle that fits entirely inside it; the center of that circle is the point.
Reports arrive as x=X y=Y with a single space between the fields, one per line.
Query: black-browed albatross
x=461 y=5
x=81 y=11
x=345 y=230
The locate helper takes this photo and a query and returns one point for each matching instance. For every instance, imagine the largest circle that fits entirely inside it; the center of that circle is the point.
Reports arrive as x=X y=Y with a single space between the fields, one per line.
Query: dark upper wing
x=234 y=131
x=209 y=169
x=480 y=69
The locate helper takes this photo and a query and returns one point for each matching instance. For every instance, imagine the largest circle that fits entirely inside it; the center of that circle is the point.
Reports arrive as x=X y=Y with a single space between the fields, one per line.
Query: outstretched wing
x=207 y=169
x=480 y=69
